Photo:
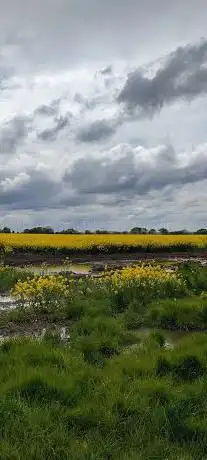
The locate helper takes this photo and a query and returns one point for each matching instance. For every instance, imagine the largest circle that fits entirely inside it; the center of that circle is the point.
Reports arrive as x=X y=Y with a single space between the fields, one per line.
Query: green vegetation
x=110 y=392
x=9 y=277
x=189 y=313
x=134 y=230
x=194 y=276
x=144 y=403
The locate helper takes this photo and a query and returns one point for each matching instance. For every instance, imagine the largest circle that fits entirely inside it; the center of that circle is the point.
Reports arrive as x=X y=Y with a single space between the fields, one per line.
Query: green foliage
x=108 y=394
x=9 y=277
x=55 y=405
x=184 y=314
x=101 y=337
x=195 y=276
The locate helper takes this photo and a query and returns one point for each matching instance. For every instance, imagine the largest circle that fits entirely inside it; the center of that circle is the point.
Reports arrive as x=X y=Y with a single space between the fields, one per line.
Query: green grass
x=194 y=275
x=9 y=276
x=110 y=393
x=189 y=313
x=146 y=403
x=99 y=338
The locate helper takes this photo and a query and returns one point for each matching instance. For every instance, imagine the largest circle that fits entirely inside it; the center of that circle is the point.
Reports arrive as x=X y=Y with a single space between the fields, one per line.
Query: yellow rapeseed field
x=102 y=242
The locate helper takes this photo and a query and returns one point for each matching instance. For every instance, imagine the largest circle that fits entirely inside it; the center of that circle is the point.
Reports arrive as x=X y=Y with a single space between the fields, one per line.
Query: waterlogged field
x=113 y=388
x=104 y=243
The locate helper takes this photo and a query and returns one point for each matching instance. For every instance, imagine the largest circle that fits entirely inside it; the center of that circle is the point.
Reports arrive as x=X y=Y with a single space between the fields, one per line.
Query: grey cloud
x=12 y=133
x=117 y=184
x=39 y=192
x=107 y=70
x=51 y=134
x=86 y=104
x=75 y=199
x=133 y=175
x=96 y=131
x=81 y=31
x=79 y=98
x=183 y=76
x=6 y=73
x=89 y=104
x=48 y=109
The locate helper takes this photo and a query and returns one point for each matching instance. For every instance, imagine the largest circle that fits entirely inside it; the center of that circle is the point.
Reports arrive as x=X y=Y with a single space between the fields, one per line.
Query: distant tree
x=139 y=230
x=201 y=231
x=69 y=231
x=47 y=230
x=39 y=230
x=135 y=230
x=101 y=232
x=180 y=232
x=163 y=231
x=5 y=230
x=152 y=231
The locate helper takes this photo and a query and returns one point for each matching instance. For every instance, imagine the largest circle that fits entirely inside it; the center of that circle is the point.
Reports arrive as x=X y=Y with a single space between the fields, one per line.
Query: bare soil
x=23 y=258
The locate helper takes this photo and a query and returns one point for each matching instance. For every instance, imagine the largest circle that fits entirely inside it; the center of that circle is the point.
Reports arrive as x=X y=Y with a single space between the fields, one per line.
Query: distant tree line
x=133 y=231
x=6 y=230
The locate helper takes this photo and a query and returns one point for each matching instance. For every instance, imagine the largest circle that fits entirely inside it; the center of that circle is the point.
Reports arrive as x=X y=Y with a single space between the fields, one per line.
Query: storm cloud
x=183 y=76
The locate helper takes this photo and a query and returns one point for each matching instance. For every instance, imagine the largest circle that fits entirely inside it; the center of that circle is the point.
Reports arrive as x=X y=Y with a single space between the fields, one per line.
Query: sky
x=103 y=114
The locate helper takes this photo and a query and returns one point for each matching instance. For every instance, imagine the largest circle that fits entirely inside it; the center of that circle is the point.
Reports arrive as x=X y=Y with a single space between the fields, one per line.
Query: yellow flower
x=102 y=242
x=41 y=286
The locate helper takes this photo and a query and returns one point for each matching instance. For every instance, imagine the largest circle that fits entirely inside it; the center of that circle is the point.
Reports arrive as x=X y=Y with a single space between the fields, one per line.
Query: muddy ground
x=36 y=328
x=21 y=258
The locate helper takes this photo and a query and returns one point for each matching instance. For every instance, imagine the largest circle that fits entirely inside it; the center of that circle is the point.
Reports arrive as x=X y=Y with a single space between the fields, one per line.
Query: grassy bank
x=108 y=392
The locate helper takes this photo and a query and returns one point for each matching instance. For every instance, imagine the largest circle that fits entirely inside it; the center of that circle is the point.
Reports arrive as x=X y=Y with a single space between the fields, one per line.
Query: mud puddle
x=83 y=269
x=7 y=302
x=171 y=338
x=37 y=331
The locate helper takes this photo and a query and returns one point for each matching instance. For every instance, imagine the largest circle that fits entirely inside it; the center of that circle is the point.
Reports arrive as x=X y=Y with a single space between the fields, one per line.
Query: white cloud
x=12 y=184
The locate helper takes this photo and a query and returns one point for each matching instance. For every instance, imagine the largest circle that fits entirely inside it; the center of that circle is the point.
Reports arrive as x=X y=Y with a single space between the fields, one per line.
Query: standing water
x=82 y=269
